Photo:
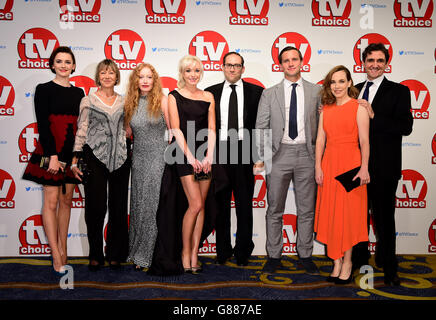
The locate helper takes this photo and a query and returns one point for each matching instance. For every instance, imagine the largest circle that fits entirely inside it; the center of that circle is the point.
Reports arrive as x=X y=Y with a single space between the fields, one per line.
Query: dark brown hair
x=60 y=49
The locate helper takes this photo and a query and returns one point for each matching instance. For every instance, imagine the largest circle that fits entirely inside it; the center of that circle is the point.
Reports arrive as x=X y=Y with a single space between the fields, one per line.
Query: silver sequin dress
x=147 y=167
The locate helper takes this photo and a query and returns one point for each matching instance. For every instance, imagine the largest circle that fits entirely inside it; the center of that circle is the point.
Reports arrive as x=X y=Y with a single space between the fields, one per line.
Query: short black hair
x=375 y=47
x=289 y=48
x=233 y=52
x=59 y=49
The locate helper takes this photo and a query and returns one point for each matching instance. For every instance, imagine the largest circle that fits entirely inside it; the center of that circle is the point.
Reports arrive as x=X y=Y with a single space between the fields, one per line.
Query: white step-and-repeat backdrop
x=328 y=33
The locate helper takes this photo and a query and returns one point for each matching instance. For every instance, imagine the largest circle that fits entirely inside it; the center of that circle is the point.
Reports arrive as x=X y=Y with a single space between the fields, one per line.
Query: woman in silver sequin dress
x=146 y=114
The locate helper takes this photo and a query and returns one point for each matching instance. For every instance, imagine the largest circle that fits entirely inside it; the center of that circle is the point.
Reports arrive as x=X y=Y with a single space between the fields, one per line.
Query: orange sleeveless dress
x=340 y=216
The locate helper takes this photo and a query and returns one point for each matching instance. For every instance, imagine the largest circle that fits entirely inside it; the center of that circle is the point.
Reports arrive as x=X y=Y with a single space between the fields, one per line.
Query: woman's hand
x=319 y=176
x=77 y=173
x=367 y=106
x=197 y=165
x=54 y=165
x=363 y=174
x=258 y=167
x=206 y=164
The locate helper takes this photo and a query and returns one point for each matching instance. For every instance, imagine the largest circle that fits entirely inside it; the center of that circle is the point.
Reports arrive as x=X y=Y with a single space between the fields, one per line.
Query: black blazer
x=252 y=95
x=392 y=120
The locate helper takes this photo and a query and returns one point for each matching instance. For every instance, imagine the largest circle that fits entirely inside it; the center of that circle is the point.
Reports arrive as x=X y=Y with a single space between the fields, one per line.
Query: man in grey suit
x=287 y=121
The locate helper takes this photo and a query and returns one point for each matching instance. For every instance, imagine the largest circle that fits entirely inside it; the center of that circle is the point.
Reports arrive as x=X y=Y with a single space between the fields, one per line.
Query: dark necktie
x=366 y=92
x=293 y=132
x=233 y=109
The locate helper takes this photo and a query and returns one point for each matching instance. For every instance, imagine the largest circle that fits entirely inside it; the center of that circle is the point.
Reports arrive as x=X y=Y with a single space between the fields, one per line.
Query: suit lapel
x=280 y=95
x=247 y=96
x=384 y=87
x=217 y=95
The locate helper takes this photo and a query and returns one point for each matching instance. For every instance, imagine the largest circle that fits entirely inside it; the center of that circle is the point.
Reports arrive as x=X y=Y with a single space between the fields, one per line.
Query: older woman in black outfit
x=101 y=141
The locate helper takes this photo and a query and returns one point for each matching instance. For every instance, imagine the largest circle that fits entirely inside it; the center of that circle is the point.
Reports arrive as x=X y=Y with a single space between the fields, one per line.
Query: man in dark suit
x=236 y=103
x=389 y=108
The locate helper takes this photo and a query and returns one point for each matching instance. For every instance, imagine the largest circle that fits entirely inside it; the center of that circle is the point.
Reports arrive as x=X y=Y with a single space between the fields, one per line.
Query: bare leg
x=195 y=206
x=198 y=229
x=64 y=211
x=346 y=266
x=50 y=222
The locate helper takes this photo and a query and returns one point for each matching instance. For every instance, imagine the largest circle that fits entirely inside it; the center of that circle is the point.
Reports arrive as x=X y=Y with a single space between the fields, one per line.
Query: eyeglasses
x=236 y=66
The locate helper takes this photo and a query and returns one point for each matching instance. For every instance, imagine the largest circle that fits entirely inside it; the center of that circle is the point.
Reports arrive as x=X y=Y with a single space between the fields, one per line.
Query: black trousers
x=104 y=191
x=381 y=199
x=241 y=183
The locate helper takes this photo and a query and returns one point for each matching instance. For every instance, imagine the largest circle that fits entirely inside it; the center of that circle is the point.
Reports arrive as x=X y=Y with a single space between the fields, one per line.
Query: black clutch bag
x=346 y=179
x=45 y=161
x=81 y=165
x=200 y=176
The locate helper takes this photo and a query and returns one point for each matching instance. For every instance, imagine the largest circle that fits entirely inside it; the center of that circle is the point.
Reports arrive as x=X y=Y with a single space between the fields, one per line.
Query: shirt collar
x=289 y=83
x=237 y=83
x=377 y=81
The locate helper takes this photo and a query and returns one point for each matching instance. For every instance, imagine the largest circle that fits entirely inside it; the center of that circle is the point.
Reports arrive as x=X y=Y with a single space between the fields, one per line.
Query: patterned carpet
x=33 y=279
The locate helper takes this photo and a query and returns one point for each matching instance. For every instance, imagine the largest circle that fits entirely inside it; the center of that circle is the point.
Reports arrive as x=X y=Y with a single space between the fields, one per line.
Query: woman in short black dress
x=56 y=108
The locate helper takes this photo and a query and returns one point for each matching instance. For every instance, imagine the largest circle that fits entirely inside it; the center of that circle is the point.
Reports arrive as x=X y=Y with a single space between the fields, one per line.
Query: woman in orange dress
x=342 y=144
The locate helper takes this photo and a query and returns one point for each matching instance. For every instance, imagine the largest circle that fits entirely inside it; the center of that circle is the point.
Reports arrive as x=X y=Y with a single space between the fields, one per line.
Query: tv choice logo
x=168 y=84
x=258 y=193
x=295 y=40
x=7 y=97
x=289 y=233
x=249 y=12
x=78 y=200
x=420 y=98
x=165 y=11
x=209 y=244
x=331 y=13
x=5 y=10
x=126 y=48
x=85 y=83
x=372 y=240
x=411 y=190
x=413 y=13
x=35 y=47
x=27 y=141
x=254 y=81
x=432 y=237
x=210 y=47
x=31 y=235
x=79 y=10
x=433 y=148
x=361 y=45
x=7 y=190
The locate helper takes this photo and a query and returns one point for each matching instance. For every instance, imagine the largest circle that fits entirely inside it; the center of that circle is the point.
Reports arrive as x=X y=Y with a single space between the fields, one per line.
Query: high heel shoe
x=187 y=270
x=344 y=281
x=331 y=279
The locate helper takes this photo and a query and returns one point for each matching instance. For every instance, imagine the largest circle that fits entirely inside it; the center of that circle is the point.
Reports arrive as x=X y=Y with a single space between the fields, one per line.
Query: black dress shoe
x=271 y=265
x=221 y=260
x=393 y=281
x=242 y=262
x=308 y=265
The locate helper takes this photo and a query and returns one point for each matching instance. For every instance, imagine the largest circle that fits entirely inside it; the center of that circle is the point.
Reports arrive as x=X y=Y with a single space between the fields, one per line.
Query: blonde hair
x=327 y=96
x=184 y=63
x=104 y=65
x=154 y=97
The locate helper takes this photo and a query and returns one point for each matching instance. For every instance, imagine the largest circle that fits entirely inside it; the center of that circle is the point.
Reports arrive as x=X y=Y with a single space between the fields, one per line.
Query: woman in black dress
x=192 y=120
x=56 y=108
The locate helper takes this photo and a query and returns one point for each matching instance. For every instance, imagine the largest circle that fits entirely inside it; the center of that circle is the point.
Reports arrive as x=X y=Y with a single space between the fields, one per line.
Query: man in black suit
x=236 y=103
x=389 y=107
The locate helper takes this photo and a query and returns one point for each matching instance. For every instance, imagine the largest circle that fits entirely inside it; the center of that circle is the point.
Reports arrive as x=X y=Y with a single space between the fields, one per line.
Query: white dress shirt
x=372 y=89
x=301 y=138
x=224 y=109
